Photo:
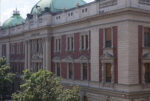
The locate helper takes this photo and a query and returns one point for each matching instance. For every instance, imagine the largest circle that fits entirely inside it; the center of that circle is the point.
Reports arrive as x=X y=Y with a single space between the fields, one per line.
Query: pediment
x=68 y=58
x=57 y=58
x=106 y=56
x=83 y=57
x=146 y=55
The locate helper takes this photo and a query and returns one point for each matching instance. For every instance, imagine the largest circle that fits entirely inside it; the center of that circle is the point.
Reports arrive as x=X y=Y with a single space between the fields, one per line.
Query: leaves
x=44 y=86
x=6 y=78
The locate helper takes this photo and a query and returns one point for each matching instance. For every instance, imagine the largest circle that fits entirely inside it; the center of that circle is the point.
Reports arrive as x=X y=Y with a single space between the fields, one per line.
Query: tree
x=6 y=79
x=44 y=86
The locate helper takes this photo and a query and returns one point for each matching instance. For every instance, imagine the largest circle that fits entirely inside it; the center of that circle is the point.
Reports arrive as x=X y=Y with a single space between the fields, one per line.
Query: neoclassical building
x=102 y=46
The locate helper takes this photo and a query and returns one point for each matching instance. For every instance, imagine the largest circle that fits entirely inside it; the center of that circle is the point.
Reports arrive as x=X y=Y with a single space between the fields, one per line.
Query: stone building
x=102 y=46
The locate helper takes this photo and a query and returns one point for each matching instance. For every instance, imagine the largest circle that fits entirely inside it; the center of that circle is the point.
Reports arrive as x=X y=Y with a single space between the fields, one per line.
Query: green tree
x=6 y=79
x=44 y=86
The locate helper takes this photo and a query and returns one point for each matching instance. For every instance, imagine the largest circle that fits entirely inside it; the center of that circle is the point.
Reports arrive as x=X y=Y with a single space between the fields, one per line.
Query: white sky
x=24 y=6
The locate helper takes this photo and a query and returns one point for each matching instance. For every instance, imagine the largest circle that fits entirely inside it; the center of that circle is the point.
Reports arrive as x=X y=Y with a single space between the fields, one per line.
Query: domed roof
x=16 y=19
x=55 y=5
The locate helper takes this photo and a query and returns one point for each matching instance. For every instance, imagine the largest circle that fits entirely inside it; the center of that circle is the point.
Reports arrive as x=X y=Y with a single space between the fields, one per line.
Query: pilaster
x=94 y=54
x=48 y=53
x=44 y=53
x=29 y=55
x=8 y=52
x=26 y=55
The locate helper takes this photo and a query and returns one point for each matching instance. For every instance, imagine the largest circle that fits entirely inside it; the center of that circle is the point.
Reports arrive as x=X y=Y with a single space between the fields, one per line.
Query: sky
x=24 y=6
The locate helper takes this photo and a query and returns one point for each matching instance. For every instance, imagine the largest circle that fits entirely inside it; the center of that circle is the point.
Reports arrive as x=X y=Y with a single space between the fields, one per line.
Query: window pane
x=82 y=42
x=68 y=43
x=85 y=71
x=70 y=71
x=108 y=37
x=147 y=37
x=37 y=45
x=58 y=69
x=147 y=72
x=87 y=42
x=59 y=44
x=108 y=72
x=56 y=45
x=72 y=43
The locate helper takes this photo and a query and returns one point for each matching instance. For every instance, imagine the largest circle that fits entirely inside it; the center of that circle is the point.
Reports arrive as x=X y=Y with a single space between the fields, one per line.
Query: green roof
x=55 y=5
x=16 y=19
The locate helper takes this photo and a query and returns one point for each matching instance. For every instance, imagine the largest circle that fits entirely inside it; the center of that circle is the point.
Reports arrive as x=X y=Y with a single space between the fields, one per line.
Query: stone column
x=143 y=73
x=94 y=54
x=112 y=73
x=26 y=55
x=48 y=53
x=8 y=52
x=29 y=55
x=44 y=53
x=0 y=50
x=103 y=73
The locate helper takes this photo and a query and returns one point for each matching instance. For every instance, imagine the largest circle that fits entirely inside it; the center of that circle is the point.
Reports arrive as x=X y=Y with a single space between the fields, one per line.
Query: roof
x=16 y=19
x=55 y=5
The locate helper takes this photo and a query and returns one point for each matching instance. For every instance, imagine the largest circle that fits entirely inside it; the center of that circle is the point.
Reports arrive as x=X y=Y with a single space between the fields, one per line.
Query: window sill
x=84 y=49
x=146 y=47
x=145 y=3
x=108 y=48
x=69 y=50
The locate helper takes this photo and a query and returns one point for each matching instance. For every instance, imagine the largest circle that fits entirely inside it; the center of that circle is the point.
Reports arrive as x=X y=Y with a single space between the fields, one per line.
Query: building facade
x=102 y=46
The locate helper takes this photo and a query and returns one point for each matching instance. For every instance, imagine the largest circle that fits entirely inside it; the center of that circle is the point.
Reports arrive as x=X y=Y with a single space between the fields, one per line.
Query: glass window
x=57 y=44
x=4 y=50
x=87 y=41
x=70 y=43
x=108 y=40
x=84 y=42
x=85 y=71
x=58 y=69
x=70 y=71
x=146 y=37
x=108 y=72
x=147 y=72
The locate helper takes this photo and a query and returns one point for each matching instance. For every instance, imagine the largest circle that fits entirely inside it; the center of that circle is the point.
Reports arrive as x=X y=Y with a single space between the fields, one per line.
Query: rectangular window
x=84 y=41
x=13 y=49
x=87 y=41
x=146 y=37
x=108 y=72
x=84 y=71
x=37 y=46
x=40 y=46
x=58 y=69
x=147 y=73
x=70 y=43
x=57 y=44
x=144 y=1
x=4 y=50
x=70 y=71
x=18 y=48
x=108 y=39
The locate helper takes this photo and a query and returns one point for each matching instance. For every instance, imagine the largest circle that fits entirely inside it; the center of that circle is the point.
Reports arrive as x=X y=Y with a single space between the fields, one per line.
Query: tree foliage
x=6 y=79
x=44 y=86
